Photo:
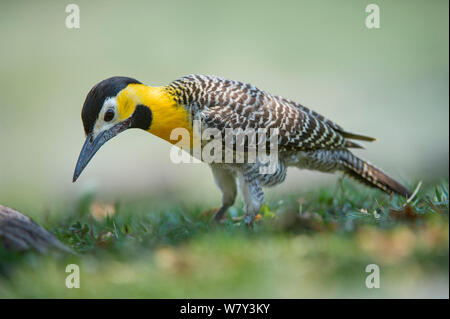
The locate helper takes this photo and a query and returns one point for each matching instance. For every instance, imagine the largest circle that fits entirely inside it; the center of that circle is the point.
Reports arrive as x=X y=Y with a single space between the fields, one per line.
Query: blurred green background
x=391 y=83
x=312 y=240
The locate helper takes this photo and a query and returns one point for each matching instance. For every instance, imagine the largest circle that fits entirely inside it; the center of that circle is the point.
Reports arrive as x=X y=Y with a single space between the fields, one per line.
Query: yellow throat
x=167 y=114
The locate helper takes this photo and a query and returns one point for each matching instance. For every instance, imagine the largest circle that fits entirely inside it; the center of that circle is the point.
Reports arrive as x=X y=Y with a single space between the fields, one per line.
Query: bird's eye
x=109 y=115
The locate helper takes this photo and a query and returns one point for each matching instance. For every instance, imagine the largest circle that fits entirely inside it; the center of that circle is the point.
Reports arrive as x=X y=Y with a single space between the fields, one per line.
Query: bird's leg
x=227 y=184
x=253 y=197
x=339 y=189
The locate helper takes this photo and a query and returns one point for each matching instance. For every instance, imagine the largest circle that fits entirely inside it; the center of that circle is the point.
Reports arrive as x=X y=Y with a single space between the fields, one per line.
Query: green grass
x=314 y=245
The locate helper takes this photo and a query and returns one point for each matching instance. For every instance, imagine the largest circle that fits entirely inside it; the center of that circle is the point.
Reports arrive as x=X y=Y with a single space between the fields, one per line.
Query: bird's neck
x=167 y=113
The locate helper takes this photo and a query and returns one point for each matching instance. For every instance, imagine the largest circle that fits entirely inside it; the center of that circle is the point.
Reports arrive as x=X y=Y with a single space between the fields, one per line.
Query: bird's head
x=120 y=103
x=111 y=107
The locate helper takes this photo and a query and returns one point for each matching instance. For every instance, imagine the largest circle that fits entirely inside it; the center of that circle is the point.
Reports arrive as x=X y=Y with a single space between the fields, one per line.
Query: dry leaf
x=101 y=210
x=406 y=214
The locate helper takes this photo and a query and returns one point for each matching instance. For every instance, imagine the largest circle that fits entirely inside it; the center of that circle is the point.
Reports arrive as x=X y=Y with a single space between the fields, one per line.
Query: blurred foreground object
x=18 y=232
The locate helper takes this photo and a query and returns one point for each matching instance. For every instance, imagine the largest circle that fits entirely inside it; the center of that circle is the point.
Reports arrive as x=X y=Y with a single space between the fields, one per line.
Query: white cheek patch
x=100 y=124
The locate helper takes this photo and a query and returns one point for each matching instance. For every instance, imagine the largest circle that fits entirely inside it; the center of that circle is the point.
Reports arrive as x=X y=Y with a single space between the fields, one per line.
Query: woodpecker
x=306 y=139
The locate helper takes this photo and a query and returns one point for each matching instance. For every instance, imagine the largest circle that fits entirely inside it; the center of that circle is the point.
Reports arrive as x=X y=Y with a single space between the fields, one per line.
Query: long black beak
x=91 y=145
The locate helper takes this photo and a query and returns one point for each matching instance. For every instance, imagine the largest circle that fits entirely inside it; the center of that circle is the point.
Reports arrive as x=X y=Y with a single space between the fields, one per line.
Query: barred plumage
x=223 y=103
x=306 y=139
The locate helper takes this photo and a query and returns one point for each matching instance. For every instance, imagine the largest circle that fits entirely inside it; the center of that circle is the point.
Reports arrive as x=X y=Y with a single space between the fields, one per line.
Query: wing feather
x=223 y=103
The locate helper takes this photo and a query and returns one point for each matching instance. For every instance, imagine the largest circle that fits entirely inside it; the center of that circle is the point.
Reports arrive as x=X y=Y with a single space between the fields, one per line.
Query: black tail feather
x=354 y=136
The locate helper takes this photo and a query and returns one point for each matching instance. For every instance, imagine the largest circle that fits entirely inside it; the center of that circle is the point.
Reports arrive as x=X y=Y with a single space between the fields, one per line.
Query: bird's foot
x=220 y=214
x=249 y=220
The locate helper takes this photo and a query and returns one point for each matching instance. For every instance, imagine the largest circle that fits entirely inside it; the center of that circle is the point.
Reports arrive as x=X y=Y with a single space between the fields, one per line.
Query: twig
x=413 y=194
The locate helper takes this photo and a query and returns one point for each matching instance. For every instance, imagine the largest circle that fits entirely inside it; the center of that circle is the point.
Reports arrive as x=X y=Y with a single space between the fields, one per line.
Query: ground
x=317 y=244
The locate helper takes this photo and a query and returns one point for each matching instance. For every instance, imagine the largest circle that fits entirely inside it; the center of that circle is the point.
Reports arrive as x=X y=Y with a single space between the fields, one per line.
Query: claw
x=220 y=214
x=249 y=219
